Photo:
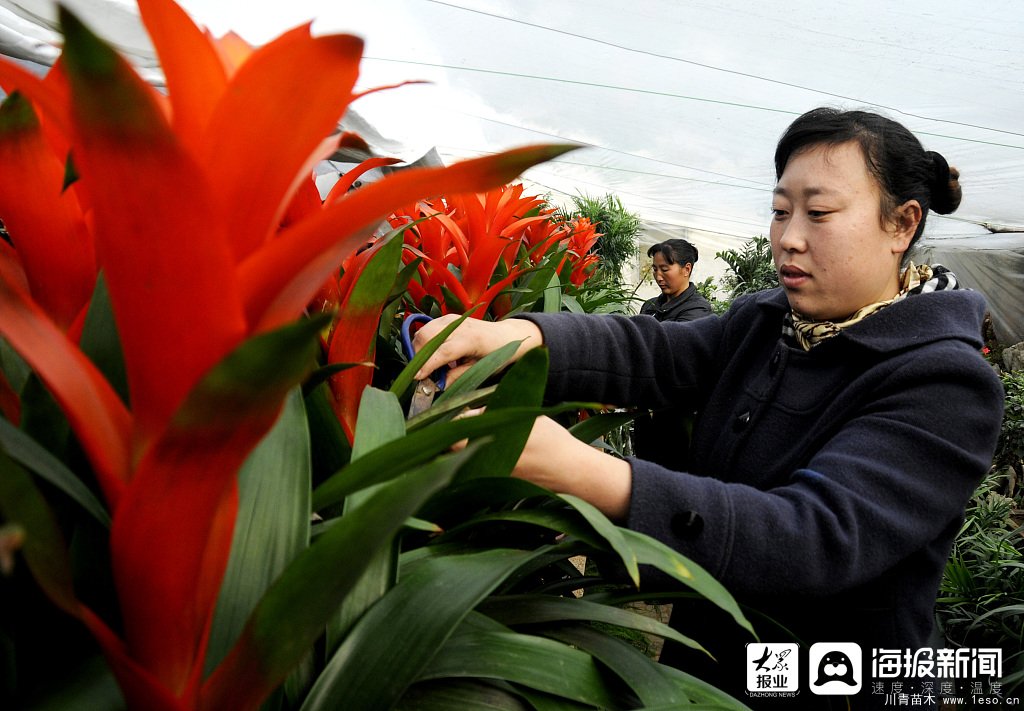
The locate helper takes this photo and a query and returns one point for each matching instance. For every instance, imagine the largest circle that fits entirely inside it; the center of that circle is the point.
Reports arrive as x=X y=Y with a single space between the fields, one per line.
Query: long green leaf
x=536 y=282
x=396 y=635
x=450 y=407
x=599 y=425
x=522 y=386
x=34 y=457
x=330 y=447
x=13 y=366
x=550 y=702
x=101 y=342
x=418 y=447
x=704 y=694
x=477 y=495
x=459 y=694
x=641 y=673
x=652 y=552
x=272 y=525
x=610 y=532
x=380 y=421
x=293 y=612
x=646 y=551
x=514 y=610
x=91 y=686
x=480 y=372
x=45 y=551
x=535 y=662
x=553 y=296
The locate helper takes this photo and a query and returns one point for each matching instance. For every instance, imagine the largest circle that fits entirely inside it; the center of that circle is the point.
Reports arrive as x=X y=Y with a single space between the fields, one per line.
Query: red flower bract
x=178 y=203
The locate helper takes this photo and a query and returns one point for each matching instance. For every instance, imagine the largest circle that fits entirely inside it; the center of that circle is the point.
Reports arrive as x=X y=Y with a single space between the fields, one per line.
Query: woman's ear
x=907 y=218
x=688 y=268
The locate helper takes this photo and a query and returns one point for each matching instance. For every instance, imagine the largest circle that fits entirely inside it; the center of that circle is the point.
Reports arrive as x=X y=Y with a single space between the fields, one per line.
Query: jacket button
x=687 y=524
x=741 y=421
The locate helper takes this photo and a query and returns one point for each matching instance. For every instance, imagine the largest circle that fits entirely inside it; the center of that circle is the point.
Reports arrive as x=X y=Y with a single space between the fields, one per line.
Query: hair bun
x=945 y=185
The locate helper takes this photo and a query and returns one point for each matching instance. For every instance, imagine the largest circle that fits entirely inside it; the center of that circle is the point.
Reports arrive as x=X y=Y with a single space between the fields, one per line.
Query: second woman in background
x=657 y=434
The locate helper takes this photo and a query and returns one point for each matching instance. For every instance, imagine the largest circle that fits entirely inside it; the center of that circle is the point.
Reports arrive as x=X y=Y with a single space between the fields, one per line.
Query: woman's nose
x=791 y=234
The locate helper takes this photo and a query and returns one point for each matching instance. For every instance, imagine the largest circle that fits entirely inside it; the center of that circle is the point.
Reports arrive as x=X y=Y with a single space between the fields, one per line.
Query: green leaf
x=321 y=375
x=380 y=421
x=549 y=702
x=330 y=447
x=13 y=366
x=641 y=673
x=101 y=342
x=599 y=425
x=447 y=695
x=480 y=372
x=610 y=533
x=479 y=495
x=396 y=635
x=522 y=386
x=89 y=687
x=514 y=610
x=452 y=301
x=704 y=694
x=553 y=296
x=245 y=381
x=652 y=552
x=34 y=457
x=293 y=612
x=535 y=662
x=44 y=549
x=272 y=525
x=373 y=286
x=450 y=407
x=418 y=447
x=536 y=282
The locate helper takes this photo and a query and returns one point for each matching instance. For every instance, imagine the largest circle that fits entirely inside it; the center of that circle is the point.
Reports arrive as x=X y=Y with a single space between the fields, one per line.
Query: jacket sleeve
x=628 y=361
x=888 y=483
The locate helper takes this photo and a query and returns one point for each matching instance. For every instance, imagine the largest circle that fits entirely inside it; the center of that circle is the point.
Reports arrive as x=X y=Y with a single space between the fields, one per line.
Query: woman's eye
x=816 y=213
x=778 y=213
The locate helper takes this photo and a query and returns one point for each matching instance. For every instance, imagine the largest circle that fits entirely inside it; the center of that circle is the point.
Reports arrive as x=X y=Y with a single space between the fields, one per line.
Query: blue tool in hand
x=425 y=390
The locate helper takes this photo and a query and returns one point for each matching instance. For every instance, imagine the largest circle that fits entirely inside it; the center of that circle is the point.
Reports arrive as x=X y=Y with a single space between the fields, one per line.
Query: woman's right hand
x=471 y=341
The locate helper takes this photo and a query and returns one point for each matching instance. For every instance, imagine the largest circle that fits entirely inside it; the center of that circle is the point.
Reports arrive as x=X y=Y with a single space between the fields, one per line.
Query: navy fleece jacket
x=824 y=488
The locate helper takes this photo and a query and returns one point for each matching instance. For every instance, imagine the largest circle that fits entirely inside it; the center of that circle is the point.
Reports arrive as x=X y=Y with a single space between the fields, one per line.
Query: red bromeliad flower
x=582 y=237
x=468 y=237
x=191 y=206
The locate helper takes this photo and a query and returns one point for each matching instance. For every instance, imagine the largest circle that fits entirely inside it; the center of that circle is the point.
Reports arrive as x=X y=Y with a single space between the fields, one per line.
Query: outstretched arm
x=556 y=460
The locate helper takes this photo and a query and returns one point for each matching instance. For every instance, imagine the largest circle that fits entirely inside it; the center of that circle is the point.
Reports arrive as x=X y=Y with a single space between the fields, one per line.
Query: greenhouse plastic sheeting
x=676 y=104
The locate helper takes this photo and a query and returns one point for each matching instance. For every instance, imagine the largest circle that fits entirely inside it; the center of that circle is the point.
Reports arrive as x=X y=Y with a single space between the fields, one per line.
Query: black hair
x=675 y=251
x=897 y=160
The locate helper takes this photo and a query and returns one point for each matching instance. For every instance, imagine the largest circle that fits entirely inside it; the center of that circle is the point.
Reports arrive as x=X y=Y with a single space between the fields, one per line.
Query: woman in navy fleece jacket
x=843 y=419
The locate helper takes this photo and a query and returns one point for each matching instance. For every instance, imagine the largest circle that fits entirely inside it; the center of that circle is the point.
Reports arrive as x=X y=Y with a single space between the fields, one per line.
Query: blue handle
x=442 y=372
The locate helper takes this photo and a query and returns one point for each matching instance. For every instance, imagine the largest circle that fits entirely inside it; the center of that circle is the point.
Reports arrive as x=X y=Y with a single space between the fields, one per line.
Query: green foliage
x=708 y=290
x=424 y=578
x=981 y=597
x=619 y=229
x=1010 y=449
x=751 y=268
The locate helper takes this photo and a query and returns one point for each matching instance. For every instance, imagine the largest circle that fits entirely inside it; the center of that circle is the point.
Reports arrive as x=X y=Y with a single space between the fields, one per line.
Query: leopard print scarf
x=922 y=279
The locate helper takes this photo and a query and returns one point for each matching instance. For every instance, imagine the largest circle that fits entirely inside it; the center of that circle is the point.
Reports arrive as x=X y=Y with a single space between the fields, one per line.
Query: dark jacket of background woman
x=662 y=436
x=687 y=306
